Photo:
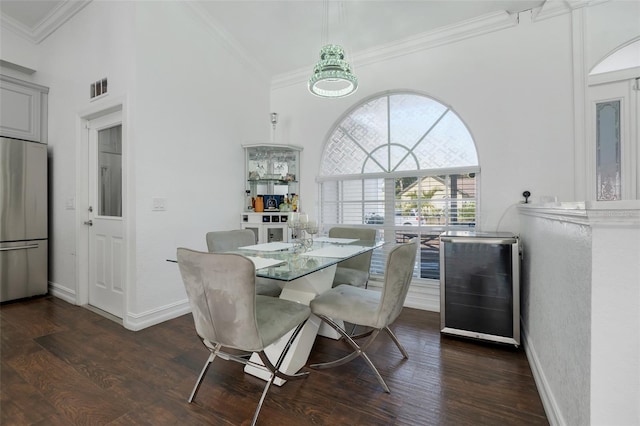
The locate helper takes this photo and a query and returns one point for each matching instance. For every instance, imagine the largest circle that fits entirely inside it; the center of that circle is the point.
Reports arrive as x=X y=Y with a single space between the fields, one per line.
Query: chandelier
x=332 y=76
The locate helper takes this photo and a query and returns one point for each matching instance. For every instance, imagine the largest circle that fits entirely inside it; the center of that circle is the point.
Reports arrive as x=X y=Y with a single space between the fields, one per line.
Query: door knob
x=88 y=223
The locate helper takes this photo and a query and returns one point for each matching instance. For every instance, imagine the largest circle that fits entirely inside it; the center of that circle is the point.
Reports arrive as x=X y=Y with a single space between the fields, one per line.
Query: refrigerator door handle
x=30 y=246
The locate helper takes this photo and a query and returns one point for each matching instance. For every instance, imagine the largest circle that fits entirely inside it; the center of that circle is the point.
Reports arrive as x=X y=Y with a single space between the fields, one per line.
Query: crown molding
x=449 y=34
x=230 y=43
x=49 y=24
x=551 y=9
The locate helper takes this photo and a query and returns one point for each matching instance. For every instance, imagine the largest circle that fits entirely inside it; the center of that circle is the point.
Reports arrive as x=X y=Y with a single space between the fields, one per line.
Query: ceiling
x=283 y=36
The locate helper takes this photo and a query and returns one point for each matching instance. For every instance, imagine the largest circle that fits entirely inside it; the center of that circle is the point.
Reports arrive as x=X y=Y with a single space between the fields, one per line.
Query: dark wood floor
x=62 y=365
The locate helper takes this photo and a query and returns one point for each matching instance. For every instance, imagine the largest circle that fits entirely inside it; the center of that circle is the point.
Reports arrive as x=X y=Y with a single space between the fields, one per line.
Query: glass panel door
x=110 y=171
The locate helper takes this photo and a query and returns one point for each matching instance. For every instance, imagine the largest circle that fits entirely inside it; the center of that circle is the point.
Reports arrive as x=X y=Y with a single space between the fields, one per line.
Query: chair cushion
x=355 y=305
x=350 y=276
x=276 y=317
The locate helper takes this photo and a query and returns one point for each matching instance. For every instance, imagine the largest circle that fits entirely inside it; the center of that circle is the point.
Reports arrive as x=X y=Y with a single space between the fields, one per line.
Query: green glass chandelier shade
x=332 y=76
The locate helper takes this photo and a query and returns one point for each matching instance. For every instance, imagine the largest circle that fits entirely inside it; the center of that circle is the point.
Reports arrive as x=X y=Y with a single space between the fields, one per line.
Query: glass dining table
x=303 y=271
x=290 y=261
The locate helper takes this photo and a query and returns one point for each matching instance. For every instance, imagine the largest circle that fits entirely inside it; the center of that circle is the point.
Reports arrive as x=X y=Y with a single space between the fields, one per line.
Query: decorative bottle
x=259 y=204
x=248 y=201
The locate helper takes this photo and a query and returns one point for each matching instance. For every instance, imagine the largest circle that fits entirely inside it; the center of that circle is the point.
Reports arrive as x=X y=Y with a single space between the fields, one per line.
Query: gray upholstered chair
x=369 y=308
x=229 y=314
x=221 y=241
x=354 y=271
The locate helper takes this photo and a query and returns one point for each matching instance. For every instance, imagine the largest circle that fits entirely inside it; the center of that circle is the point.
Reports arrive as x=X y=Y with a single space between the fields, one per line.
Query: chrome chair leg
x=347 y=338
x=207 y=364
x=363 y=334
x=264 y=395
x=358 y=351
x=397 y=342
x=275 y=370
x=375 y=371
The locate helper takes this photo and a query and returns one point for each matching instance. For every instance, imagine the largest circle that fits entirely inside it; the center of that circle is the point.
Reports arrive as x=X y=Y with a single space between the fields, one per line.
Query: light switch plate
x=159 y=204
x=70 y=203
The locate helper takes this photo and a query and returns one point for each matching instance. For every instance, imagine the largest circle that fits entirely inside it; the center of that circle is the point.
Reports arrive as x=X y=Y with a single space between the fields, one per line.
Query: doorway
x=102 y=251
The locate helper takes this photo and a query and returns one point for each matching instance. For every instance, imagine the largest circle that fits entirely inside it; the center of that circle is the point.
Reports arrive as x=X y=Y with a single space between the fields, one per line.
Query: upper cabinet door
x=24 y=110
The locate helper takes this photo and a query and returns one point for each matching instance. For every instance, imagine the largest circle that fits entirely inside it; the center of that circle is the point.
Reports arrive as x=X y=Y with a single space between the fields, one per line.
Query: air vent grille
x=99 y=88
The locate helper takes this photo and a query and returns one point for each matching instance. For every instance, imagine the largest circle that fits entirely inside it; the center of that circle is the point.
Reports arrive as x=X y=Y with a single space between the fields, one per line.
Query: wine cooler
x=480 y=286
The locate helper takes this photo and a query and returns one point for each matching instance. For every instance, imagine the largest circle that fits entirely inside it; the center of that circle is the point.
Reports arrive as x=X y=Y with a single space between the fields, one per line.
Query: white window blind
x=406 y=165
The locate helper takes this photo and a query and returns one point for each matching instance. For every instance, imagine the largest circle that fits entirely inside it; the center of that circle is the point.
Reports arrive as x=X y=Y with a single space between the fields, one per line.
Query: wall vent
x=98 y=88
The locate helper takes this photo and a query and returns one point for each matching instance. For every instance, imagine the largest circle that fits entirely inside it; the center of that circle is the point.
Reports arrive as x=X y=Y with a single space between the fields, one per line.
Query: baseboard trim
x=136 y=322
x=421 y=295
x=554 y=416
x=63 y=293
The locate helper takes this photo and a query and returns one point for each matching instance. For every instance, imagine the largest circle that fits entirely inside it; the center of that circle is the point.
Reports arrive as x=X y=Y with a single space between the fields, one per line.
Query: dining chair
x=354 y=271
x=369 y=308
x=228 y=314
x=221 y=241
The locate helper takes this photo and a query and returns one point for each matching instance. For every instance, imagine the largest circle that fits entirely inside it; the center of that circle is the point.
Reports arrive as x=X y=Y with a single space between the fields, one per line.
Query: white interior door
x=106 y=244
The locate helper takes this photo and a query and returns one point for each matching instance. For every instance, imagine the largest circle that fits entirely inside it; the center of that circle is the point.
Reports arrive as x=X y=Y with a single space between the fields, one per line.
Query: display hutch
x=271 y=189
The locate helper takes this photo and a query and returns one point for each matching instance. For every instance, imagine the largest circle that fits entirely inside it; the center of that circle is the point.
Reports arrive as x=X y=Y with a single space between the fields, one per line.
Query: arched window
x=403 y=163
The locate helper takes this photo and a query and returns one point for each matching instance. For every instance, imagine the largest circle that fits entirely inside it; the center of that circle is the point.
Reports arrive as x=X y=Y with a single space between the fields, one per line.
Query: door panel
x=106 y=244
x=24 y=269
x=23 y=190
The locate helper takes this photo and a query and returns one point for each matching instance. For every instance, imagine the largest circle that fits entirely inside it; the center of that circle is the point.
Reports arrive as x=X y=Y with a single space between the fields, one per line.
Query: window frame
x=389 y=230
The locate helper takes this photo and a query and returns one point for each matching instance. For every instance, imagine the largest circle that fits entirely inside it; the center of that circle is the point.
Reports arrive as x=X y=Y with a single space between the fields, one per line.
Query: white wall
x=511 y=87
x=556 y=313
x=609 y=26
x=581 y=310
x=195 y=106
x=189 y=106
x=95 y=43
x=615 y=318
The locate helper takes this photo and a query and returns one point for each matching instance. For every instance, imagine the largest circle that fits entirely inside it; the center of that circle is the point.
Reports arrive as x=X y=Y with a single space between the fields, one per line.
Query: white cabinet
x=272 y=173
x=268 y=227
x=24 y=109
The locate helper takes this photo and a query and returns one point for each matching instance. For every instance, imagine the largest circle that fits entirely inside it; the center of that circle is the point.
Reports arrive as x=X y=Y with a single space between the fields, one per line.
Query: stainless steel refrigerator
x=23 y=219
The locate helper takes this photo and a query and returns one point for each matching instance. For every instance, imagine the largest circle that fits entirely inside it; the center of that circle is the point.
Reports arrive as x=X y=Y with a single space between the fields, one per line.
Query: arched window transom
x=405 y=164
